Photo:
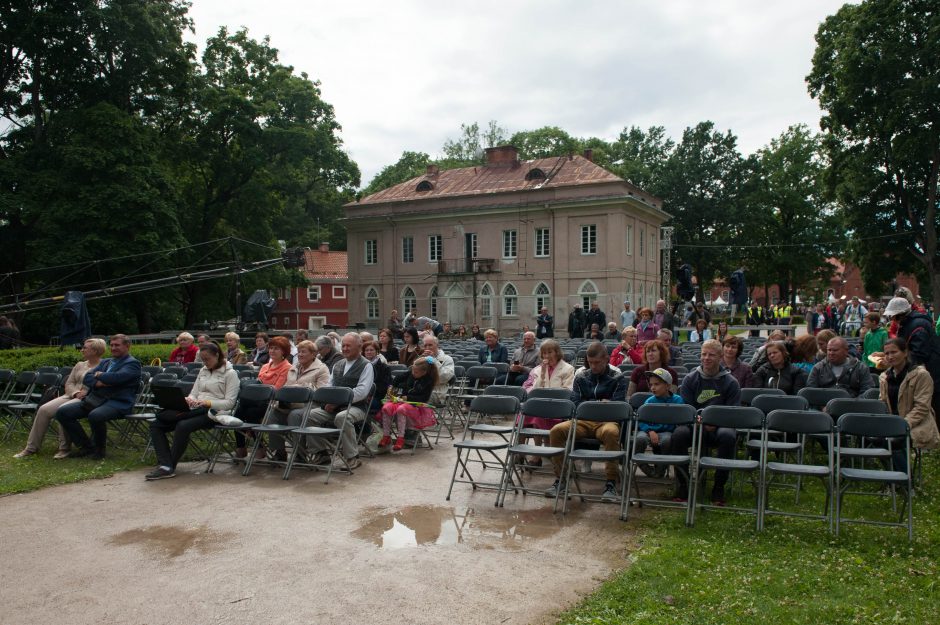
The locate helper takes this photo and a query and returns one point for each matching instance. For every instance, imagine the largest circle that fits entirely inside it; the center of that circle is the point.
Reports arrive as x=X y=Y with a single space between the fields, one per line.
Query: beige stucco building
x=491 y=244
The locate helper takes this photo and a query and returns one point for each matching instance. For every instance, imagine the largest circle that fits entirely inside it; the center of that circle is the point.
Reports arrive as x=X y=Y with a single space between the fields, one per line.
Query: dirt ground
x=381 y=546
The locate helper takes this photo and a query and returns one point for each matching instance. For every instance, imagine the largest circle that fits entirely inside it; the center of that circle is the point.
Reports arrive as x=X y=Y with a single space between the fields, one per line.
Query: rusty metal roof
x=559 y=171
x=319 y=265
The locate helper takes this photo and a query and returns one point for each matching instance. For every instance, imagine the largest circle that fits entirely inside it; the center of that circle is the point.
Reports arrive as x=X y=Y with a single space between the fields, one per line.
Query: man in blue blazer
x=109 y=393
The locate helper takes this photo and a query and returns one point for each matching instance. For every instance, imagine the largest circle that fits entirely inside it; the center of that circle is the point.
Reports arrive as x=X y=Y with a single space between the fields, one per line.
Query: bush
x=34 y=357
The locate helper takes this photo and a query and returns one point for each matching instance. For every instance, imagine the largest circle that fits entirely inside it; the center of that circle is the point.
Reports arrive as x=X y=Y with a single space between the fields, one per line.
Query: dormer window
x=535 y=174
x=424 y=185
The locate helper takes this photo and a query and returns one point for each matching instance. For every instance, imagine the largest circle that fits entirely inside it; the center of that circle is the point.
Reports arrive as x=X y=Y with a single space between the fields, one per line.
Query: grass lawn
x=722 y=571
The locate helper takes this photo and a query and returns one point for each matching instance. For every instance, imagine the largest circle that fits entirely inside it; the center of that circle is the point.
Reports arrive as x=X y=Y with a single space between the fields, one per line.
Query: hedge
x=34 y=357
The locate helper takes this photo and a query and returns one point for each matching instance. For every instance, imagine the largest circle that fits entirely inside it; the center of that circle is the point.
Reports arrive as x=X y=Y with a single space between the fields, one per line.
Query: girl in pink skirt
x=410 y=408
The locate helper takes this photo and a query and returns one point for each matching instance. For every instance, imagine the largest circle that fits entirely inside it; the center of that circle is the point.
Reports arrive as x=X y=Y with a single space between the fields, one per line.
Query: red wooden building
x=324 y=301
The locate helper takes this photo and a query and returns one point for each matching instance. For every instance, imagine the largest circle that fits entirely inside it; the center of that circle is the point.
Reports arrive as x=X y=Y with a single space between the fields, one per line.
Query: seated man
x=597 y=382
x=112 y=388
x=839 y=370
x=326 y=352
x=524 y=359
x=445 y=368
x=709 y=384
x=447 y=333
x=675 y=354
x=352 y=371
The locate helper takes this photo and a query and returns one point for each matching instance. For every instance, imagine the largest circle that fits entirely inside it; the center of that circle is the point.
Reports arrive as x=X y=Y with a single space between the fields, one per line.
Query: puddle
x=442 y=525
x=170 y=541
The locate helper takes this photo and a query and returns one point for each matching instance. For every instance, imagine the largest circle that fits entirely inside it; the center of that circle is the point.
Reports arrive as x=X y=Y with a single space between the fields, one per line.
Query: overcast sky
x=404 y=75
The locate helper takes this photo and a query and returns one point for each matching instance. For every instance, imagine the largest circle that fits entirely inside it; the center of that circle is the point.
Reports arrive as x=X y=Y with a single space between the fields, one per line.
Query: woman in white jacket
x=214 y=393
x=554 y=372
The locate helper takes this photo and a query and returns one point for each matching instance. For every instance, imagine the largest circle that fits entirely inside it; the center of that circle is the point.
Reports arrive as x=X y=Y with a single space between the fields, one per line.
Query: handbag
x=92 y=401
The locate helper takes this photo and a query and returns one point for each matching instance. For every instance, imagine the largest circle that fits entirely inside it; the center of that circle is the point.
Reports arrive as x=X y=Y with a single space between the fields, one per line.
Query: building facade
x=493 y=244
x=324 y=301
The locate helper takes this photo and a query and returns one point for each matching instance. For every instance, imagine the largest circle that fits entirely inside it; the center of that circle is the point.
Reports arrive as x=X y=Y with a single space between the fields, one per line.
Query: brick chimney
x=589 y=154
x=324 y=247
x=502 y=155
x=433 y=170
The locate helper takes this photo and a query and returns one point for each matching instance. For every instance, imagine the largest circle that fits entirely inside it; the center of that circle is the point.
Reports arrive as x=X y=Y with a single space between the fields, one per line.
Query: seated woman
x=731 y=358
x=656 y=355
x=701 y=333
x=309 y=372
x=646 y=329
x=629 y=349
x=462 y=334
x=553 y=372
x=215 y=390
x=381 y=374
x=187 y=350
x=234 y=354
x=411 y=349
x=594 y=333
x=387 y=346
x=803 y=352
x=92 y=350
x=259 y=355
x=778 y=372
x=493 y=351
x=908 y=390
x=410 y=408
x=273 y=372
x=722 y=332
x=475 y=333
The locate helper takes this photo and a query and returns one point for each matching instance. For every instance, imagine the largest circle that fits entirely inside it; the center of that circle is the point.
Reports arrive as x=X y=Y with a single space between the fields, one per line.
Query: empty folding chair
x=329 y=436
x=503 y=430
x=18 y=392
x=176 y=370
x=47 y=369
x=680 y=460
x=897 y=433
x=253 y=393
x=819 y=397
x=627 y=368
x=153 y=370
x=748 y=394
x=193 y=367
x=20 y=415
x=872 y=393
x=482 y=406
x=738 y=418
x=250 y=374
x=285 y=395
x=801 y=422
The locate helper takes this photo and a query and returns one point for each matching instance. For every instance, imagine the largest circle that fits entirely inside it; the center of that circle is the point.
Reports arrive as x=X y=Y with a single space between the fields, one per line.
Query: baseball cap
x=662 y=374
x=897 y=306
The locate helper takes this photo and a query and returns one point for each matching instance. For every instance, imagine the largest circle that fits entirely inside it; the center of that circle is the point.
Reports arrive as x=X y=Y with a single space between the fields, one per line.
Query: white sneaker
x=610 y=493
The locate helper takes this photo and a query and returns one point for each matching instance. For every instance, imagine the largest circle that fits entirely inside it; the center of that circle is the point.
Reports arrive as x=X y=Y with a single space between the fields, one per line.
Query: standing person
x=628 y=315
x=186 y=350
x=493 y=351
x=709 y=384
x=545 y=324
x=215 y=390
x=852 y=320
x=411 y=349
x=700 y=312
x=779 y=372
x=646 y=329
x=259 y=355
x=874 y=337
x=731 y=349
x=524 y=359
x=755 y=317
x=92 y=350
x=234 y=353
x=395 y=325
x=112 y=387
x=908 y=391
x=662 y=317
x=410 y=409
x=596 y=383
x=576 y=323
x=922 y=343
x=595 y=315
x=9 y=335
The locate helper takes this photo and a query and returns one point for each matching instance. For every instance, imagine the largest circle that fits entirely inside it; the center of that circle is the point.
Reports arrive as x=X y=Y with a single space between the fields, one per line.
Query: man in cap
x=922 y=342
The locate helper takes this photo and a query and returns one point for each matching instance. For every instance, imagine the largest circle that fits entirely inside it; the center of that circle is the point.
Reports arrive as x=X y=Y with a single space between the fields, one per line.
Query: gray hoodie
x=700 y=390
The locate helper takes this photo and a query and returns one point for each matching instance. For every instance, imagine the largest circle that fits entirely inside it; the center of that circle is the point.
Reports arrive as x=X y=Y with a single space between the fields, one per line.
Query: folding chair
x=289 y=395
x=341 y=397
x=18 y=392
x=872 y=393
x=152 y=369
x=819 y=397
x=450 y=415
x=176 y=370
x=638 y=399
x=47 y=369
x=503 y=390
x=254 y=393
x=738 y=418
x=7 y=376
x=618 y=412
x=663 y=414
x=193 y=367
x=21 y=414
x=627 y=368
x=481 y=406
x=888 y=427
x=801 y=422
x=748 y=394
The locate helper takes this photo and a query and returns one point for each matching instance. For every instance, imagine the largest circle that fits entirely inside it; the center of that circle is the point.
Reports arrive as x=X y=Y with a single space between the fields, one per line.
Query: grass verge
x=722 y=571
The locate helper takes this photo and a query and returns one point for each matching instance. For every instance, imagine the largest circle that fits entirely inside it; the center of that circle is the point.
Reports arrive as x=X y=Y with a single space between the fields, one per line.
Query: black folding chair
x=21 y=415
x=342 y=398
x=253 y=393
x=288 y=395
x=748 y=394
x=481 y=406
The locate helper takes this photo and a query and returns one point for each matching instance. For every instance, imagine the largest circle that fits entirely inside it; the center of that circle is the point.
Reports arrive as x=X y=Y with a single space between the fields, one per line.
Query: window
x=510 y=301
x=509 y=243
x=372 y=251
x=588 y=293
x=629 y=240
x=424 y=185
x=286 y=322
x=470 y=239
x=589 y=239
x=408 y=300
x=486 y=301
x=339 y=292
x=433 y=297
x=642 y=237
x=284 y=294
x=543 y=245
x=629 y=296
x=408 y=250
x=435 y=248
x=542 y=298
x=535 y=174
x=652 y=247
x=313 y=293
x=372 y=303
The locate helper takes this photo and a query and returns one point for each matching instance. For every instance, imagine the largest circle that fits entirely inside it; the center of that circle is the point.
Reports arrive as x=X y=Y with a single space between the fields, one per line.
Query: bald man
x=839 y=370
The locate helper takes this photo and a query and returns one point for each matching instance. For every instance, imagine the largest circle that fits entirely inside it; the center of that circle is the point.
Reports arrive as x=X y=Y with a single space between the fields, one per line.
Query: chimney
x=502 y=155
x=433 y=170
x=589 y=154
x=324 y=247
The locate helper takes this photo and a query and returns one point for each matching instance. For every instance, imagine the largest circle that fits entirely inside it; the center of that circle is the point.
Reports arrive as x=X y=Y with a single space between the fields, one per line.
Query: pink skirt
x=539 y=422
x=418 y=417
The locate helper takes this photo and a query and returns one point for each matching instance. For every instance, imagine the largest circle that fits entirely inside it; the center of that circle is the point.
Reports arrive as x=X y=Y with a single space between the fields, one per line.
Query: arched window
x=423 y=186
x=542 y=297
x=408 y=300
x=535 y=174
x=510 y=301
x=486 y=301
x=432 y=296
x=588 y=293
x=372 y=303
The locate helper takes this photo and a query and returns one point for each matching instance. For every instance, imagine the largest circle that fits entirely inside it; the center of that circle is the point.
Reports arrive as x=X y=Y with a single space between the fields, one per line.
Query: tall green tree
x=409 y=165
x=544 y=143
x=876 y=74
x=468 y=148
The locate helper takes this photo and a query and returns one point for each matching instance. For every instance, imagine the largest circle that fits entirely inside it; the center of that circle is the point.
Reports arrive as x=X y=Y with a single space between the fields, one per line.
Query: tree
x=409 y=165
x=640 y=157
x=544 y=143
x=467 y=149
x=876 y=74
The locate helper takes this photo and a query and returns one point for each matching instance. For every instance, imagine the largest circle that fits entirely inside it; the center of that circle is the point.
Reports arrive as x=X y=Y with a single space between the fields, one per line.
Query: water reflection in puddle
x=442 y=525
x=170 y=541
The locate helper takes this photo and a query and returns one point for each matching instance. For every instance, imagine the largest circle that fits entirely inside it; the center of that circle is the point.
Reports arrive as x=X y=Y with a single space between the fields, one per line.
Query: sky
x=405 y=75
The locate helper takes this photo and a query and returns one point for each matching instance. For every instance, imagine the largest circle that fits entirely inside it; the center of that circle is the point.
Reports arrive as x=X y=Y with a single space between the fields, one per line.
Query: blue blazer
x=122 y=381
x=500 y=354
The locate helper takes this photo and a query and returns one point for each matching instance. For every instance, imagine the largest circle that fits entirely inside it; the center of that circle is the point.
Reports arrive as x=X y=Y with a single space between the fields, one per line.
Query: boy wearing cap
x=656 y=435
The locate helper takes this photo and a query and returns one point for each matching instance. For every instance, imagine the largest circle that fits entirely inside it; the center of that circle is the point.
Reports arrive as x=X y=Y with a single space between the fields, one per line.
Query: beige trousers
x=44 y=416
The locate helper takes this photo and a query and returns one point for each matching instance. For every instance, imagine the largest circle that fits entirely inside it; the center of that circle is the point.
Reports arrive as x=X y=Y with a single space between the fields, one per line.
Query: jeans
x=182 y=424
x=69 y=415
x=642 y=441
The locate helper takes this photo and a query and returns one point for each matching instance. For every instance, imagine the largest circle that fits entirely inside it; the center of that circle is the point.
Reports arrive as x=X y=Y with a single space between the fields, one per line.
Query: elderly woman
x=552 y=372
x=309 y=372
x=731 y=350
x=629 y=349
x=779 y=372
x=186 y=350
x=645 y=328
x=92 y=350
x=908 y=390
x=411 y=349
x=273 y=372
x=612 y=332
x=234 y=353
x=493 y=351
x=259 y=355
x=655 y=355
x=215 y=390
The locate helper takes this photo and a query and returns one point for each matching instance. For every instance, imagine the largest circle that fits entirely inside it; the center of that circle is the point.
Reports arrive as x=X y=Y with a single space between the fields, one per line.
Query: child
x=656 y=435
x=410 y=407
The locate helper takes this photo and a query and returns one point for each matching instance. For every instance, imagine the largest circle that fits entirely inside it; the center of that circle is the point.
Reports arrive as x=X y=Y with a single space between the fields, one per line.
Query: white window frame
x=510 y=244
x=642 y=241
x=589 y=240
x=629 y=240
x=486 y=301
x=435 y=248
x=543 y=242
x=543 y=297
x=652 y=247
x=371 y=251
x=432 y=300
x=589 y=293
x=339 y=292
x=314 y=288
x=408 y=297
x=474 y=245
x=510 y=300
x=408 y=249
x=372 y=303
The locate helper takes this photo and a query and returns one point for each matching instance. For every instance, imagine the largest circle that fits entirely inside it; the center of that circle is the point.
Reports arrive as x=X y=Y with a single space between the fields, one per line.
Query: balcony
x=467 y=266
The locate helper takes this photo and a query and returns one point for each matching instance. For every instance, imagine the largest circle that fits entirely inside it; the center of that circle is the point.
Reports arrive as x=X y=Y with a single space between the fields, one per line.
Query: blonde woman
x=234 y=354
x=553 y=372
x=92 y=350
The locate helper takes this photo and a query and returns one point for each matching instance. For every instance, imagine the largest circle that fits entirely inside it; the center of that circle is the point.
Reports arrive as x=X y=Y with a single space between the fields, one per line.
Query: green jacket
x=874 y=342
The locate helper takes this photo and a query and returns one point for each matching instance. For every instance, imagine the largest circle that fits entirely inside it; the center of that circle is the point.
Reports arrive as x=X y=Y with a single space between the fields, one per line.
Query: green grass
x=722 y=571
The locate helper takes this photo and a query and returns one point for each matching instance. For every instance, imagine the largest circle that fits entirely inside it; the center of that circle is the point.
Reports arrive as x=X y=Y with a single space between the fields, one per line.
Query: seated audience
x=186 y=350
x=907 y=389
x=655 y=356
x=274 y=372
x=839 y=370
x=445 y=368
x=779 y=372
x=387 y=346
x=612 y=332
x=701 y=333
x=675 y=354
x=259 y=355
x=411 y=349
x=722 y=332
x=629 y=350
x=234 y=354
x=731 y=350
x=760 y=357
x=803 y=352
x=493 y=351
x=381 y=374
x=551 y=372
x=524 y=359
x=410 y=408
x=656 y=435
x=595 y=333
x=307 y=371
x=326 y=351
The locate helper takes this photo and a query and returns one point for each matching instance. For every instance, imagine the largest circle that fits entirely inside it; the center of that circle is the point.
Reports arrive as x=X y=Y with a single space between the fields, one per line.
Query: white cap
x=897 y=306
